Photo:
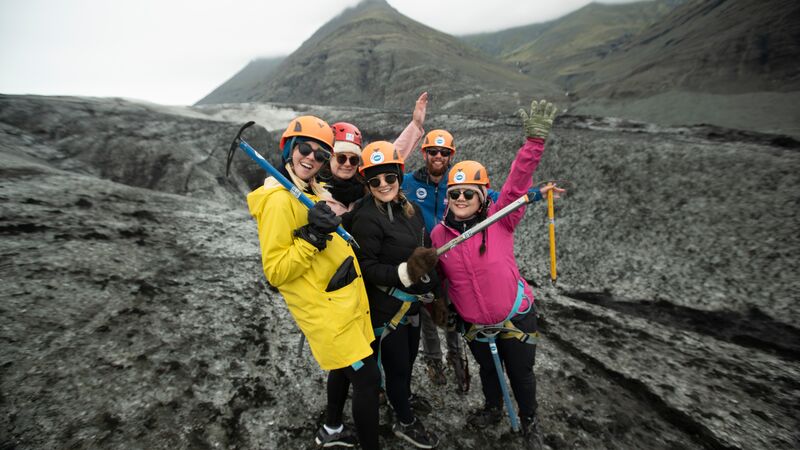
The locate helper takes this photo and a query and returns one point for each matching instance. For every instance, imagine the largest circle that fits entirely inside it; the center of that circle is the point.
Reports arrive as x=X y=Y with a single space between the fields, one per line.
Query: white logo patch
x=439 y=140
x=459 y=177
x=376 y=158
x=349 y=137
x=421 y=193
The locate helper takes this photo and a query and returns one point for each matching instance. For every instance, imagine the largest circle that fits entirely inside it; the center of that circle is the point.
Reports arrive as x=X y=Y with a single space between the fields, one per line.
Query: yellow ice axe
x=552 y=227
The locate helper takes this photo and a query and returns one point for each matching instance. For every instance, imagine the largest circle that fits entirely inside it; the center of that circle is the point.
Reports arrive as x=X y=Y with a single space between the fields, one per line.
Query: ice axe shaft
x=484 y=224
x=252 y=153
x=552 y=229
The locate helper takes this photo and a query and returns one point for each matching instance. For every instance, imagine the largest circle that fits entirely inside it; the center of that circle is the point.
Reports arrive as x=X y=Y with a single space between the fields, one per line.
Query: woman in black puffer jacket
x=397 y=264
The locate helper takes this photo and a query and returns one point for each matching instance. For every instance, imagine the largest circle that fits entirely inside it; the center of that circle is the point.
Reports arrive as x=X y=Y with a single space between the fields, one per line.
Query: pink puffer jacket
x=484 y=287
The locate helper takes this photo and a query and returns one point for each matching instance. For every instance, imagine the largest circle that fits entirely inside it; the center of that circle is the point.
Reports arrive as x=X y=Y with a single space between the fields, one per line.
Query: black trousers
x=518 y=359
x=398 y=353
x=366 y=384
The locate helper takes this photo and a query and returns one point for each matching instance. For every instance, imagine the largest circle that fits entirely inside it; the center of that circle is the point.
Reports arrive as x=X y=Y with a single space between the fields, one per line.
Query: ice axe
x=552 y=230
x=524 y=200
x=252 y=153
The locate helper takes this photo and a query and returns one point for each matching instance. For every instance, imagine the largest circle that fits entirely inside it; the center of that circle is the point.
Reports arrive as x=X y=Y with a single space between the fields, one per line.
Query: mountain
x=371 y=55
x=548 y=50
x=240 y=86
x=731 y=63
x=719 y=46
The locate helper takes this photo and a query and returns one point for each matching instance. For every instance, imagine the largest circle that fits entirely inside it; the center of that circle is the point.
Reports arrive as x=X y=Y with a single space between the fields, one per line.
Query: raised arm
x=413 y=132
x=537 y=127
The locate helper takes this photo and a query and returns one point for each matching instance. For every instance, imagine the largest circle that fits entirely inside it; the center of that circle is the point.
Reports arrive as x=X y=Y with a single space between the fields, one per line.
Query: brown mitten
x=422 y=261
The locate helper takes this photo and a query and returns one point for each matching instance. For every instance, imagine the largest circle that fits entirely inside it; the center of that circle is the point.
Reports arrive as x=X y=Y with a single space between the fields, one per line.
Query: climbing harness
x=505 y=330
x=399 y=317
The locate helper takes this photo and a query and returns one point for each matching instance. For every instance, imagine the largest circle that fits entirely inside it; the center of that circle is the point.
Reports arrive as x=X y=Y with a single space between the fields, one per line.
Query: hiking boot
x=344 y=438
x=460 y=370
x=486 y=416
x=435 y=370
x=530 y=430
x=415 y=434
x=420 y=405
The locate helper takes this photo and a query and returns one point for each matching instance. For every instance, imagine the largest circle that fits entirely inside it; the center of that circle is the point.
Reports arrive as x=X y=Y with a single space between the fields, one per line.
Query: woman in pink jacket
x=484 y=283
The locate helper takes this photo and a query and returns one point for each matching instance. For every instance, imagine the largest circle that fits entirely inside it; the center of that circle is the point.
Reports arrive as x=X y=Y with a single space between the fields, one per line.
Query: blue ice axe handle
x=252 y=153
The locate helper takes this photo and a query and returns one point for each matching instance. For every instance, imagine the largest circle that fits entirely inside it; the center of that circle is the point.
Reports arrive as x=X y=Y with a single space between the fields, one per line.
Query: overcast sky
x=176 y=52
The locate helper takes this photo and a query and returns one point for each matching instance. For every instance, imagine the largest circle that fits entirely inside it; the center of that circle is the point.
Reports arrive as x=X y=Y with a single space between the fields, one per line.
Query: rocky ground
x=135 y=315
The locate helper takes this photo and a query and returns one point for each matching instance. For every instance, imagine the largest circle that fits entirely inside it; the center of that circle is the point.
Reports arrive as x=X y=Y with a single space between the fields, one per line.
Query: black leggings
x=366 y=383
x=398 y=353
x=518 y=359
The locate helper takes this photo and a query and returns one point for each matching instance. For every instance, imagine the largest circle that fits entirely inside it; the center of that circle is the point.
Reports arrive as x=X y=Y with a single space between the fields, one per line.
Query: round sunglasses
x=469 y=194
x=445 y=152
x=321 y=155
x=342 y=159
x=375 y=182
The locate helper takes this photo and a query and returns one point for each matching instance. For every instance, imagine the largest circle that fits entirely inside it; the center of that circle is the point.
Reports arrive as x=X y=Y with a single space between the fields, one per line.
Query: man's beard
x=434 y=171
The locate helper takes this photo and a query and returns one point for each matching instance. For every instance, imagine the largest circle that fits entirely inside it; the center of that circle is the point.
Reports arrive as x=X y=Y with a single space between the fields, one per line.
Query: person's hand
x=422 y=261
x=540 y=120
x=551 y=186
x=418 y=117
x=321 y=222
x=440 y=312
x=322 y=218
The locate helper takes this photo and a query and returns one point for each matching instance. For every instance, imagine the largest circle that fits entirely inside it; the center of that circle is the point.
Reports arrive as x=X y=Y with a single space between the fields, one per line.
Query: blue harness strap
x=505 y=330
x=398 y=319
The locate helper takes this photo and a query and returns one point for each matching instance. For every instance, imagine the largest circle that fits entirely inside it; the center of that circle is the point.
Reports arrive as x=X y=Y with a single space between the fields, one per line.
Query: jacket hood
x=258 y=198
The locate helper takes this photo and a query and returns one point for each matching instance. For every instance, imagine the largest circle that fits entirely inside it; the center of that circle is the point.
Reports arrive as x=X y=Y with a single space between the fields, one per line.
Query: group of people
x=361 y=307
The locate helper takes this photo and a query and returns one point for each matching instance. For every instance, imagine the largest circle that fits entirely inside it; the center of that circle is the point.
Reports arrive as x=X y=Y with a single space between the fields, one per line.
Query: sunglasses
x=321 y=155
x=445 y=152
x=354 y=160
x=469 y=194
x=390 y=178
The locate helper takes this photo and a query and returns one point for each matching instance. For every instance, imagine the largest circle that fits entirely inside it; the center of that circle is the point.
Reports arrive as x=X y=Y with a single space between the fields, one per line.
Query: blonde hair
x=317 y=188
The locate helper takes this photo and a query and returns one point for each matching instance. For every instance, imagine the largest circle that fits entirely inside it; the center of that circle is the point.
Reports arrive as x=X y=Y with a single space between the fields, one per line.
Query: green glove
x=538 y=124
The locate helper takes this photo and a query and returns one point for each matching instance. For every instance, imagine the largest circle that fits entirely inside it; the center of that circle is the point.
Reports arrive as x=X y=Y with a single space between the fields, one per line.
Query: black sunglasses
x=354 y=160
x=321 y=155
x=389 y=178
x=468 y=194
x=445 y=152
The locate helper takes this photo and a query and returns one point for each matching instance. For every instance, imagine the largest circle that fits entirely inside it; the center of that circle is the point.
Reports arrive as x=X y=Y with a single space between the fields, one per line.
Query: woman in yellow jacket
x=316 y=272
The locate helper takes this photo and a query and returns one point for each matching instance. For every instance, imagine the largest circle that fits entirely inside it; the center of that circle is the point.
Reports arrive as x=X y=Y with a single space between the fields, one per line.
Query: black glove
x=321 y=222
x=322 y=218
x=422 y=261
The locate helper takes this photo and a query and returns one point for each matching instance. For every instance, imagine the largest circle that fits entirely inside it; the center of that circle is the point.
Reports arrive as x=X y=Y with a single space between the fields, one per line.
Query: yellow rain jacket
x=336 y=324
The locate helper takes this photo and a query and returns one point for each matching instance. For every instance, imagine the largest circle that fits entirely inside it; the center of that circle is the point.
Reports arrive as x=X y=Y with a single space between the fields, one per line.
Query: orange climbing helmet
x=307 y=127
x=439 y=138
x=468 y=172
x=377 y=157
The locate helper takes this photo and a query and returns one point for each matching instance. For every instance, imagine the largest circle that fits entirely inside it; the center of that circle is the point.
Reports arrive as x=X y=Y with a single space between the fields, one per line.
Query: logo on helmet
x=421 y=194
x=439 y=140
x=349 y=137
x=376 y=158
x=459 y=177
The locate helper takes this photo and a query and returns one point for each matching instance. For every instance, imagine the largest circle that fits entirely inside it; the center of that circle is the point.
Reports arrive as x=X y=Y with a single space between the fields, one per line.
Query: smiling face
x=346 y=170
x=384 y=192
x=435 y=160
x=306 y=167
x=461 y=207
